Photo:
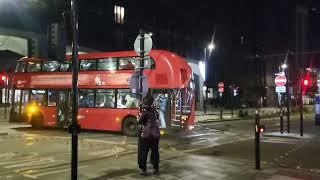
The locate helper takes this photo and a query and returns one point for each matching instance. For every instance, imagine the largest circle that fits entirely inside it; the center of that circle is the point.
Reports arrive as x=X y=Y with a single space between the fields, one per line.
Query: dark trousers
x=143 y=149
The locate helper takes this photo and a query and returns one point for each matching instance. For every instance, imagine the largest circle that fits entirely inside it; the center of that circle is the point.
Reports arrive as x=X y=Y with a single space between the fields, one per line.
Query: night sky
x=242 y=28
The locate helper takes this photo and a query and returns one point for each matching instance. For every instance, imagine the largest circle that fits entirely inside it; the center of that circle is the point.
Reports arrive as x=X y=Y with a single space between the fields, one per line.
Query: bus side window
x=126 y=63
x=125 y=99
x=149 y=63
x=105 y=98
x=34 y=66
x=52 y=97
x=21 y=67
x=107 y=64
x=86 y=98
x=50 y=66
x=88 y=65
x=25 y=99
x=65 y=66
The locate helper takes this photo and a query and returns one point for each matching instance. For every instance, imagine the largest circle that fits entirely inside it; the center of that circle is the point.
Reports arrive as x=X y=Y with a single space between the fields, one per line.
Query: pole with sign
x=220 y=90
x=74 y=128
x=142 y=46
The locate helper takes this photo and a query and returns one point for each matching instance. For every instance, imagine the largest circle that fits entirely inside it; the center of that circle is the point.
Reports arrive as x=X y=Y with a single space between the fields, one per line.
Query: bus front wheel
x=36 y=121
x=130 y=126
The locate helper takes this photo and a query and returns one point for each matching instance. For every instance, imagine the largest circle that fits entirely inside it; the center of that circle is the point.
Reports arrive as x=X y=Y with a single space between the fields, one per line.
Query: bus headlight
x=32 y=109
x=191 y=127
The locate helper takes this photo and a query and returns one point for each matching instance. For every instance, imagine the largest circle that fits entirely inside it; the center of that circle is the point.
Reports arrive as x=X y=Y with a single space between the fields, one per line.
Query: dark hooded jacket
x=149 y=121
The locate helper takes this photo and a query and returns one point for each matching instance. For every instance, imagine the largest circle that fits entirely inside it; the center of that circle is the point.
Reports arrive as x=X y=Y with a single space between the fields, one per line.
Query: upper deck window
x=148 y=63
x=21 y=67
x=119 y=14
x=65 y=66
x=87 y=65
x=107 y=64
x=126 y=63
x=50 y=66
x=34 y=66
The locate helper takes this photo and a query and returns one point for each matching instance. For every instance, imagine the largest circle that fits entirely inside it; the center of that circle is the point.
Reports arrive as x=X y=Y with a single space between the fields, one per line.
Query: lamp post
x=285 y=66
x=210 y=47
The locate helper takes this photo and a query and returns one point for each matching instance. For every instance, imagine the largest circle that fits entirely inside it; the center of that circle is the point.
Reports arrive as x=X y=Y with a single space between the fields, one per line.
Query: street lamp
x=210 y=47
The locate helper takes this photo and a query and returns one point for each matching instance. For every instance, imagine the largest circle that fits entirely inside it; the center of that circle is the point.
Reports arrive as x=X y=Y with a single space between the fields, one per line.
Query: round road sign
x=147 y=44
x=280 y=80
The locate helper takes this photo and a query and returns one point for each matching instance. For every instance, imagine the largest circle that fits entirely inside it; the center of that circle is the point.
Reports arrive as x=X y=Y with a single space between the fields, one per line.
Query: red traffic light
x=262 y=129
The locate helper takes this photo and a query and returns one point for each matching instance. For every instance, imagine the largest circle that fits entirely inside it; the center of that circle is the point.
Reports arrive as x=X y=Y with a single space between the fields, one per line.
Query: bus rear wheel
x=130 y=126
x=36 y=121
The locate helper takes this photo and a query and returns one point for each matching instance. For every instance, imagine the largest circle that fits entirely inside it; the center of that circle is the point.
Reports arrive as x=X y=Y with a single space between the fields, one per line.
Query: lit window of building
x=119 y=14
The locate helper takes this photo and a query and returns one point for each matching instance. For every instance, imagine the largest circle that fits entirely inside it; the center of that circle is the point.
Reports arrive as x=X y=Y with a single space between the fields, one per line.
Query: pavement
x=265 y=113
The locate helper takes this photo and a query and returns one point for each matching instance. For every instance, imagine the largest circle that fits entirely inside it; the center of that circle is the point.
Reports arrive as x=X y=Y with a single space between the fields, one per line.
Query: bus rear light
x=191 y=127
x=53 y=116
x=184 y=117
x=80 y=116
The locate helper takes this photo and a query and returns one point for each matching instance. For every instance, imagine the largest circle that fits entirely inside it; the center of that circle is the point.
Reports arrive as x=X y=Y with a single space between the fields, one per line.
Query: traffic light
x=260 y=129
x=305 y=82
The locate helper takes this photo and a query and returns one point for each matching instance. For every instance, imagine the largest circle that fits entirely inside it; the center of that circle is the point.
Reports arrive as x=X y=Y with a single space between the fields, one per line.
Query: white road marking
x=279 y=141
x=198 y=142
x=197 y=135
x=35 y=176
x=31 y=163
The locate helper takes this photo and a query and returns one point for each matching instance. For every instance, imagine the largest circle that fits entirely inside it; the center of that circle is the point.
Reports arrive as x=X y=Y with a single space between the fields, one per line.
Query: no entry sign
x=280 y=80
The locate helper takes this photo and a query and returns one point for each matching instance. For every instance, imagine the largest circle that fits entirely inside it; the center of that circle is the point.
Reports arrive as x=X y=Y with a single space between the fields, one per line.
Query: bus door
x=63 y=108
x=162 y=102
x=175 y=109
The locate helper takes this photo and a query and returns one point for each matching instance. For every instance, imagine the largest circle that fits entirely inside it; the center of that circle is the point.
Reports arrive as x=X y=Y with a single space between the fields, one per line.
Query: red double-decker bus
x=42 y=91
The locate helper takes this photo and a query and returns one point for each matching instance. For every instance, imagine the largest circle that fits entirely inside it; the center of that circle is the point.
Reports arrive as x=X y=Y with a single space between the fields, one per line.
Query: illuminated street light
x=284 y=66
x=211 y=46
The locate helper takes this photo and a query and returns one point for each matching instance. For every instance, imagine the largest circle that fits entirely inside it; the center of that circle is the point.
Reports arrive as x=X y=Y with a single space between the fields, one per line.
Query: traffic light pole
x=288 y=106
x=232 y=91
x=74 y=128
x=301 y=104
x=281 y=120
x=221 y=117
x=257 y=140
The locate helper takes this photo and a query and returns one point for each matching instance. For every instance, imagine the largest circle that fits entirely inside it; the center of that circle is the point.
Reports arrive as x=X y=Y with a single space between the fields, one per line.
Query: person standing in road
x=162 y=108
x=150 y=135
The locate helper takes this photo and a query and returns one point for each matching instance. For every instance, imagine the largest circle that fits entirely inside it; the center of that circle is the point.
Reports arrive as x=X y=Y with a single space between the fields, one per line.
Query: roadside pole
x=257 y=139
x=288 y=103
x=74 y=128
x=232 y=96
x=301 y=103
x=281 y=120
x=141 y=67
x=5 y=97
x=221 y=106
